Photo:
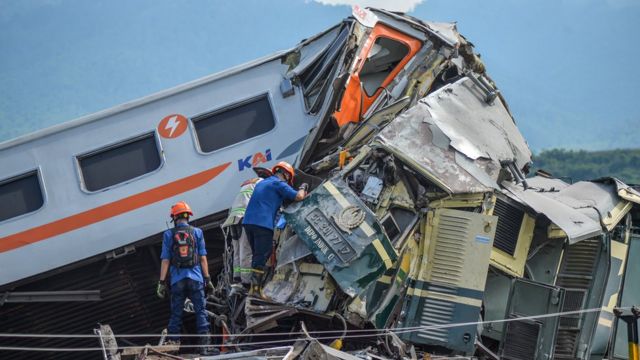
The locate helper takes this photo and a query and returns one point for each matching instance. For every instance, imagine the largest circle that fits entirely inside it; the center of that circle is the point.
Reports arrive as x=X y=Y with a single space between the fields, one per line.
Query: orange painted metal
x=355 y=102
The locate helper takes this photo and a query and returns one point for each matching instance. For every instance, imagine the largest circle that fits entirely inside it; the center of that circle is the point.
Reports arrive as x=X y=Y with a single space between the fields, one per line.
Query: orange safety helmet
x=287 y=168
x=180 y=207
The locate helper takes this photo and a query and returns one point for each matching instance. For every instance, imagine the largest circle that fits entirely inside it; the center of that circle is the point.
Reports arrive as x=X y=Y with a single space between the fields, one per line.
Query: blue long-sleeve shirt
x=266 y=200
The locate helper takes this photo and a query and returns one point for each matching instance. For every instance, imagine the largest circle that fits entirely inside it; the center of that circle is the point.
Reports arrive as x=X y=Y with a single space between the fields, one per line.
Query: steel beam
x=49 y=296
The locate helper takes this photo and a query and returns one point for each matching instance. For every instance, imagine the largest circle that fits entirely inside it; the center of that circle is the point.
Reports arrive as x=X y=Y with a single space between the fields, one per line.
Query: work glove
x=304 y=186
x=161 y=289
x=208 y=285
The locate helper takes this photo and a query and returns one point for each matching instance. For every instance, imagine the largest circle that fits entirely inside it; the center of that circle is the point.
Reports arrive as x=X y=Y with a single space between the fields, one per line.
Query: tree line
x=576 y=165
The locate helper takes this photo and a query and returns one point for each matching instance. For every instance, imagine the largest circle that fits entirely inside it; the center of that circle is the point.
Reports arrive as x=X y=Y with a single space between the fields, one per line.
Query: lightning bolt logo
x=172 y=126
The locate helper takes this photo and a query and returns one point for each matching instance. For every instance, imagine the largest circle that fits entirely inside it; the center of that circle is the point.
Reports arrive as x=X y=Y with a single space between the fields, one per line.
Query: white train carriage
x=106 y=180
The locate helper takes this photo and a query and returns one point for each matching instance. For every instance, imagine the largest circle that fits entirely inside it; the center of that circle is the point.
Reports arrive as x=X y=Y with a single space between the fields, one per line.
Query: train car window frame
x=114 y=145
x=40 y=185
x=228 y=107
x=370 y=55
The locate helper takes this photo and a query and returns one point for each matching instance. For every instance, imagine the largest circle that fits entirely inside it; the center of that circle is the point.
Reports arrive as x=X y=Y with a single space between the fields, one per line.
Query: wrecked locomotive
x=421 y=233
x=422 y=228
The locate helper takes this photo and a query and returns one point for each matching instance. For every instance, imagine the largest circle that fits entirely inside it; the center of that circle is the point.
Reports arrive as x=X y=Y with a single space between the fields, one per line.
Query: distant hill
x=623 y=164
x=570 y=83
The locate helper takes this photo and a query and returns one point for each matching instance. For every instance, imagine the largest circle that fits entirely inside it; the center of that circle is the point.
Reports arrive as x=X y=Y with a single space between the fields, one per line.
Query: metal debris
x=431 y=228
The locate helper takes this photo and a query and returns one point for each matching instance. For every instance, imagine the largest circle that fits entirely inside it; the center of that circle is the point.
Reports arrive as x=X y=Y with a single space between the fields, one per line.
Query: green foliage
x=623 y=164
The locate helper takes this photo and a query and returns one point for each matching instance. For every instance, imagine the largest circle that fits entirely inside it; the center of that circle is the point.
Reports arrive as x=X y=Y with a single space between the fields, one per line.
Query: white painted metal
x=53 y=152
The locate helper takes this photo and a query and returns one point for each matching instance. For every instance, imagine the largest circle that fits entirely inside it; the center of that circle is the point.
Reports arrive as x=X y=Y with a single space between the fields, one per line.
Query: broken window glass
x=384 y=56
x=403 y=218
x=391 y=228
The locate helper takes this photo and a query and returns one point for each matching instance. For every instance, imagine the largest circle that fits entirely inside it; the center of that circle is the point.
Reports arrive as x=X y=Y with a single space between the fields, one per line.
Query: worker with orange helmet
x=184 y=257
x=260 y=216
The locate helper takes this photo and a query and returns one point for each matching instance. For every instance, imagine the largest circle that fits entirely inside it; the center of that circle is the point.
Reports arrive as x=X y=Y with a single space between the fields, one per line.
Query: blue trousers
x=194 y=290
x=261 y=241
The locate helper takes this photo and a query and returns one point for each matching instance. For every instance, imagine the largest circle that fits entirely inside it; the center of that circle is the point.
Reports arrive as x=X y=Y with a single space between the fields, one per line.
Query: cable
x=370 y=334
x=370 y=331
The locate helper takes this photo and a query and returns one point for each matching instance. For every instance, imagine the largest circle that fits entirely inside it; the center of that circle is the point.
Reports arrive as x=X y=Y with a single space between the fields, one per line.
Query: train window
x=120 y=162
x=384 y=56
x=232 y=125
x=20 y=195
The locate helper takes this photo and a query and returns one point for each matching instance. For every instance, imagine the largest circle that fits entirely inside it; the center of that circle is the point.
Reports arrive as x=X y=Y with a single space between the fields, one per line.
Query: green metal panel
x=604 y=330
x=496 y=300
x=531 y=339
x=630 y=295
x=382 y=297
x=583 y=274
x=343 y=234
x=389 y=304
x=545 y=256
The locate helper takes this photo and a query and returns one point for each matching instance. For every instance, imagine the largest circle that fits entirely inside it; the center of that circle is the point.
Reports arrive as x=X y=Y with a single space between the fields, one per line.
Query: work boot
x=256 y=282
x=205 y=346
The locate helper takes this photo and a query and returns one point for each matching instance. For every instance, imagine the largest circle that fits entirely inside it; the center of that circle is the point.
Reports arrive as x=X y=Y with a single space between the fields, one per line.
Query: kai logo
x=254 y=160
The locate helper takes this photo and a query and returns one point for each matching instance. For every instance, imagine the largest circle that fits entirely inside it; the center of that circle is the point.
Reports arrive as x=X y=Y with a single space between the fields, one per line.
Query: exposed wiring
x=370 y=333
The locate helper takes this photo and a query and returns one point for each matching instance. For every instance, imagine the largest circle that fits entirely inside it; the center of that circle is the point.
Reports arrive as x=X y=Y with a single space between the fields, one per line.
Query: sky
x=566 y=67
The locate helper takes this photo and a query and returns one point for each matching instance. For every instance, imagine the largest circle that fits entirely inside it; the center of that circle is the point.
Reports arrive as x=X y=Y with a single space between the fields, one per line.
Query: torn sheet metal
x=352 y=247
x=303 y=285
x=624 y=191
x=595 y=200
x=581 y=209
x=545 y=184
x=475 y=128
x=574 y=223
x=411 y=26
x=445 y=30
x=263 y=315
x=326 y=45
x=317 y=350
x=403 y=23
x=291 y=250
x=456 y=139
x=415 y=143
x=364 y=16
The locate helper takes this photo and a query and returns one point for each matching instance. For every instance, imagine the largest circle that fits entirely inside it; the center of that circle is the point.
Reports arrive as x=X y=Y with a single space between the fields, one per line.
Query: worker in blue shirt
x=260 y=216
x=184 y=258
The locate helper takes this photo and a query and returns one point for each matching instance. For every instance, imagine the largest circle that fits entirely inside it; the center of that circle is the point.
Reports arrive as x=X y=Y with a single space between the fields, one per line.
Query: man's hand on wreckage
x=161 y=289
x=305 y=187
x=208 y=285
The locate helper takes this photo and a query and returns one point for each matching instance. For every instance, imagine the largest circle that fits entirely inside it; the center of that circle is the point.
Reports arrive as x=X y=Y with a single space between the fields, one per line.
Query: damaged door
x=531 y=339
x=343 y=235
x=629 y=296
x=602 y=337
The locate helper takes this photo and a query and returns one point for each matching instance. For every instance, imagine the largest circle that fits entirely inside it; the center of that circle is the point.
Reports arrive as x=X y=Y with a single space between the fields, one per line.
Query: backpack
x=184 y=247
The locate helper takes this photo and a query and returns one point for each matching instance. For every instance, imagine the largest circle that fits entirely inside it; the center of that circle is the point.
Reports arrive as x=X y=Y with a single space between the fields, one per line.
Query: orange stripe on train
x=109 y=210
